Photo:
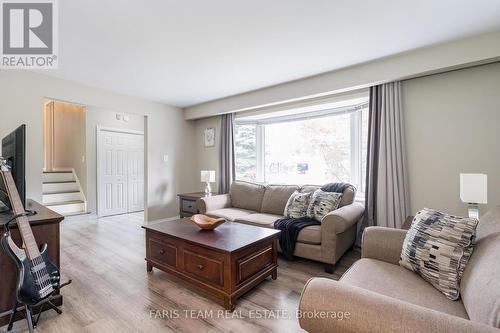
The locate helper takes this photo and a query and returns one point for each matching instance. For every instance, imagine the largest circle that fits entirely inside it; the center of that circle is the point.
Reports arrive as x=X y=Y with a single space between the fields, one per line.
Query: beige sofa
x=261 y=205
x=381 y=296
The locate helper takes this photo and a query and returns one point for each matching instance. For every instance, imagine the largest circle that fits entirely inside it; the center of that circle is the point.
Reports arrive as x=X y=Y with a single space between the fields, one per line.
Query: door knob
x=200 y=267
x=162 y=251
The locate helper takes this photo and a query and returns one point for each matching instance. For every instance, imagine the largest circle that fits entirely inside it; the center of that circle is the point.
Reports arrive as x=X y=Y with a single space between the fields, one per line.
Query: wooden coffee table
x=226 y=262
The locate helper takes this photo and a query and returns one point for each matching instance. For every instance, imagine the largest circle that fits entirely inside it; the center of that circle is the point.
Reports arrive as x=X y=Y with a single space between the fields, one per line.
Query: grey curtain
x=387 y=196
x=226 y=157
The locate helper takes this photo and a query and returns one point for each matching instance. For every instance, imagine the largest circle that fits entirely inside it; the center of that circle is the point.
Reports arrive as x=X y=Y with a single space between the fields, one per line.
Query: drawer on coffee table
x=205 y=266
x=253 y=263
x=162 y=252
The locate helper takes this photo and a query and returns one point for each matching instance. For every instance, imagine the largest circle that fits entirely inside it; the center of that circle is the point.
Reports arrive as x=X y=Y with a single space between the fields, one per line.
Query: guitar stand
x=33 y=319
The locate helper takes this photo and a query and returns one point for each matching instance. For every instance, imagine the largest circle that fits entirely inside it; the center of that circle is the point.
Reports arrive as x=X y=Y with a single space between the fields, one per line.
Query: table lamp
x=474 y=191
x=208 y=176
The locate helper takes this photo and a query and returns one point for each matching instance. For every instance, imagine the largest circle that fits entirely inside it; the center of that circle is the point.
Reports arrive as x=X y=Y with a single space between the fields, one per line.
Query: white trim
x=306 y=115
x=306 y=105
x=356 y=123
x=118 y=130
x=260 y=143
x=356 y=147
x=84 y=198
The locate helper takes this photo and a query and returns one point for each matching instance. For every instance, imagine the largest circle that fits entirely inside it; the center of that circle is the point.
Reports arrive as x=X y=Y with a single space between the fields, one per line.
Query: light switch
x=118 y=116
x=165 y=158
x=126 y=118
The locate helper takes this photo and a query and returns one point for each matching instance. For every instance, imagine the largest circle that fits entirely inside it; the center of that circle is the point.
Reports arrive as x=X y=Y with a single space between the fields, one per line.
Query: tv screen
x=14 y=151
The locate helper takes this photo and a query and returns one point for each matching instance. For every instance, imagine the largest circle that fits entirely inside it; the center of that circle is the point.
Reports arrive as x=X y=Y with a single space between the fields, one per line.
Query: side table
x=187 y=203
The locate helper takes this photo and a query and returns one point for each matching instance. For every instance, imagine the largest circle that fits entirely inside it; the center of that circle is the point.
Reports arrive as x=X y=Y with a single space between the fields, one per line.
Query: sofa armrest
x=382 y=244
x=342 y=219
x=332 y=306
x=213 y=202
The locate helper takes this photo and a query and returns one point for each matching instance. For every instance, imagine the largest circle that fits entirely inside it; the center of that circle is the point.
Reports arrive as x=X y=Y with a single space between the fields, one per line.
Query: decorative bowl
x=205 y=222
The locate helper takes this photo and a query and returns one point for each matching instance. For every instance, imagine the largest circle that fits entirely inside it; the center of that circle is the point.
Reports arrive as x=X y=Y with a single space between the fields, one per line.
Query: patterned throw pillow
x=323 y=203
x=438 y=247
x=297 y=204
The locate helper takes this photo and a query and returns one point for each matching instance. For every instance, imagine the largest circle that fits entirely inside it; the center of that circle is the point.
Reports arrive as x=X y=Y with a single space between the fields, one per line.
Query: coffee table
x=226 y=262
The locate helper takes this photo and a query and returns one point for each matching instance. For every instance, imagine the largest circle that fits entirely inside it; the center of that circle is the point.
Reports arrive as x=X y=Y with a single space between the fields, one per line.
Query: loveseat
x=262 y=205
x=381 y=296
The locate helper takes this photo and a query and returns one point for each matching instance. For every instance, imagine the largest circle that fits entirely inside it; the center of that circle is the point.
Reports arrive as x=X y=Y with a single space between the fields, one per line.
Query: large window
x=306 y=148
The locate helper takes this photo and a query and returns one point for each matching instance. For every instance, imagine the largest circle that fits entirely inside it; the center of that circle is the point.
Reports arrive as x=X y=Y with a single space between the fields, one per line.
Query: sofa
x=261 y=205
x=382 y=296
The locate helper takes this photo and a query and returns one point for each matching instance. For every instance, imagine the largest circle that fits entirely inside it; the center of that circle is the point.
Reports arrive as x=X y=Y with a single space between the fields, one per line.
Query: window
x=304 y=148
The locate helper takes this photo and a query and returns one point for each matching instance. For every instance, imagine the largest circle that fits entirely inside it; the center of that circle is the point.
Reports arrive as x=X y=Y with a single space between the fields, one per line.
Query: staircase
x=62 y=193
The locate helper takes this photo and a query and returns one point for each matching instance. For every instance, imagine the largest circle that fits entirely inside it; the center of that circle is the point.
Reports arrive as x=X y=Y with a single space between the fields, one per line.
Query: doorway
x=64 y=164
x=120 y=171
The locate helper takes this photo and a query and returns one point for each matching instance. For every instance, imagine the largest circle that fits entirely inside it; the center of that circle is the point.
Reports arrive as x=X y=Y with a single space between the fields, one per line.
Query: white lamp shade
x=208 y=176
x=474 y=188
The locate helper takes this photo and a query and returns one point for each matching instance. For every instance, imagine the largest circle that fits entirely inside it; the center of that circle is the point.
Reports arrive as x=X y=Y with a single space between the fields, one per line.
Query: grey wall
x=452 y=127
x=68 y=133
x=21 y=101
x=432 y=59
x=106 y=118
x=207 y=157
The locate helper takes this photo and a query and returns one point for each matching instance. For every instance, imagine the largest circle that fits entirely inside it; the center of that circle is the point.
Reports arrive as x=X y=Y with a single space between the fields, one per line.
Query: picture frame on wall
x=209 y=137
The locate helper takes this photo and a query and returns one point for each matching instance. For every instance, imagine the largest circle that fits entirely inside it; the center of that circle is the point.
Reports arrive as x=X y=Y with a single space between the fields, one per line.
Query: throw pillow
x=297 y=204
x=438 y=247
x=323 y=203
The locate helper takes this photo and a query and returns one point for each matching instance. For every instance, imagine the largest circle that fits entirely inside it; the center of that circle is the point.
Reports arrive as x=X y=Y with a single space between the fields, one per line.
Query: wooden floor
x=112 y=292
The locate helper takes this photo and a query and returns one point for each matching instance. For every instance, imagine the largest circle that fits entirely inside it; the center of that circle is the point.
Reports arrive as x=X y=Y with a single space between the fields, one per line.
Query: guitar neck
x=23 y=224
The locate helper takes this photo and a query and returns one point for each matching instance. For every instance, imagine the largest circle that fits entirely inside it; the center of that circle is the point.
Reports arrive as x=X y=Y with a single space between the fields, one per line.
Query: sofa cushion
x=247 y=195
x=230 y=214
x=438 y=247
x=259 y=219
x=347 y=196
x=397 y=282
x=323 y=203
x=276 y=197
x=297 y=204
x=480 y=286
x=310 y=235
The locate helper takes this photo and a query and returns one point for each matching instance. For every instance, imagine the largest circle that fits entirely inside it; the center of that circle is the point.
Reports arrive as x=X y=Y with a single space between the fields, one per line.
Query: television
x=14 y=151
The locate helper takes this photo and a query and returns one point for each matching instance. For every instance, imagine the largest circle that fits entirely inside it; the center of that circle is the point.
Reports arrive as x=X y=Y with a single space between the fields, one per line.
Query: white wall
x=452 y=127
x=21 y=101
x=107 y=118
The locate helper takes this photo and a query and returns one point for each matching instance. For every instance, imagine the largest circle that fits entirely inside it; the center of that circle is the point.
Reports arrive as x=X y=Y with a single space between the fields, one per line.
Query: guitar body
x=27 y=290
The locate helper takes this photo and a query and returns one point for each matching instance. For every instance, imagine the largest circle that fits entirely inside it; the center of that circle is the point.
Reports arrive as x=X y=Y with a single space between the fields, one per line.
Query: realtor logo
x=28 y=34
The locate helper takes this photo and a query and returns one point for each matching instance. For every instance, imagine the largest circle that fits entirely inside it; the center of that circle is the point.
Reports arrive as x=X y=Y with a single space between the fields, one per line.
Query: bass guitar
x=38 y=277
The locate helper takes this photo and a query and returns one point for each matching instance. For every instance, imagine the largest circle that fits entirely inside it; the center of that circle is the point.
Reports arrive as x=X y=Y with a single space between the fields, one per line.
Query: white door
x=120 y=173
x=136 y=173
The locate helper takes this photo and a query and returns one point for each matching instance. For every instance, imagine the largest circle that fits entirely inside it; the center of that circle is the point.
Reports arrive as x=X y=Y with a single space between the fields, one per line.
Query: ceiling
x=187 y=52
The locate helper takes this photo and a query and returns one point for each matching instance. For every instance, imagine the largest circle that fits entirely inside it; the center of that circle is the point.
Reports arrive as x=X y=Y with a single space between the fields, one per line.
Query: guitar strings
x=41 y=275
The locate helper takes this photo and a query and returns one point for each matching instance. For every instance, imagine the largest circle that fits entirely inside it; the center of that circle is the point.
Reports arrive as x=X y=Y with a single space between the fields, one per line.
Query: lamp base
x=473 y=210
x=208 y=189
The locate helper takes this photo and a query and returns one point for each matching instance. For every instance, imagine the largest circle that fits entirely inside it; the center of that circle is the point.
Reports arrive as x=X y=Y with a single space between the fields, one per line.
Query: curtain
x=226 y=156
x=386 y=195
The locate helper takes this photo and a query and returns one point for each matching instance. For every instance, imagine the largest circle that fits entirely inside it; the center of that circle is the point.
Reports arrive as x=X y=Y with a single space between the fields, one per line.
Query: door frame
x=100 y=129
